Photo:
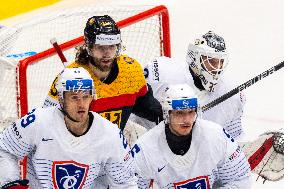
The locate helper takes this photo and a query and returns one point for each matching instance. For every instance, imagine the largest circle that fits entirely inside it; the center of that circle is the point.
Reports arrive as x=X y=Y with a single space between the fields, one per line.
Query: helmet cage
x=206 y=62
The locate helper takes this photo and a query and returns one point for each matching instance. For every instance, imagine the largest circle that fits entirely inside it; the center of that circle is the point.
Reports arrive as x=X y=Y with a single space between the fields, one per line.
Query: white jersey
x=163 y=71
x=214 y=160
x=58 y=159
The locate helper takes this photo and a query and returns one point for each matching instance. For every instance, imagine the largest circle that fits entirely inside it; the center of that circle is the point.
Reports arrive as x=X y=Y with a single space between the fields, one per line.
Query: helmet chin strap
x=65 y=113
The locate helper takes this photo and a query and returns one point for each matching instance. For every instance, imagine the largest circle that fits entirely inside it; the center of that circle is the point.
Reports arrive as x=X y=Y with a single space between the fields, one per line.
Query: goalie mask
x=208 y=58
x=74 y=79
x=178 y=97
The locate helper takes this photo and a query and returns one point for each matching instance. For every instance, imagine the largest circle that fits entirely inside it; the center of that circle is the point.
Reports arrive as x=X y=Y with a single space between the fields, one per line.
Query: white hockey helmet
x=208 y=58
x=178 y=97
x=74 y=79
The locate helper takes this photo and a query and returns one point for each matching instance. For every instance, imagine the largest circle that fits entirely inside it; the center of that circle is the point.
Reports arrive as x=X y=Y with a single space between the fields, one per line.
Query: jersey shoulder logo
x=128 y=60
x=53 y=91
x=201 y=182
x=68 y=174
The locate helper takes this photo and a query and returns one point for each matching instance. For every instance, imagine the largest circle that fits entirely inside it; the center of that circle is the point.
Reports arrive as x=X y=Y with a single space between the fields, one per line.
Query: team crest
x=201 y=182
x=68 y=174
x=128 y=60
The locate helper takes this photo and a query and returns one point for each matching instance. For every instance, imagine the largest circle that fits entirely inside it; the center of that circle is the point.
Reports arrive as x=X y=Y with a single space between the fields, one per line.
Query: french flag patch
x=201 y=182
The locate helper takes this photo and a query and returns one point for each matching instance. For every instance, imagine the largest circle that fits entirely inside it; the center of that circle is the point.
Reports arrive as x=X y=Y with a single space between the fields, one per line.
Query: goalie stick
x=259 y=154
x=242 y=87
x=217 y=100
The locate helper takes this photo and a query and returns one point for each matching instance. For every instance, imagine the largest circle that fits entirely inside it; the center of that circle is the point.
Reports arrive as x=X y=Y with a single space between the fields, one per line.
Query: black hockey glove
x=17 y=184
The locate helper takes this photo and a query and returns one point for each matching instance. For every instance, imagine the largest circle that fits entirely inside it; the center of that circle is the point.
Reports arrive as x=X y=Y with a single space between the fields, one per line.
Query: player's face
x=77 y=104
x=103 y=56
x=212 y=65
x=181 y=121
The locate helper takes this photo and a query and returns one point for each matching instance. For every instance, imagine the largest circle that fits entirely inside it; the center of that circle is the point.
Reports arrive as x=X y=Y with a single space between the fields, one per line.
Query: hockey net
x=24 y=82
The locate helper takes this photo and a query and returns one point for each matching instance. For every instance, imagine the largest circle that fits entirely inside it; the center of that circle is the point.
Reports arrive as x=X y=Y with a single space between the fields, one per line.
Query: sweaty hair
x=82 y=55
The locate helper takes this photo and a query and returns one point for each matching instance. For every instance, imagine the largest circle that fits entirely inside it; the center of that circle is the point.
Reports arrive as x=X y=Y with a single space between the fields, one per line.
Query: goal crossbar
x=22 y=97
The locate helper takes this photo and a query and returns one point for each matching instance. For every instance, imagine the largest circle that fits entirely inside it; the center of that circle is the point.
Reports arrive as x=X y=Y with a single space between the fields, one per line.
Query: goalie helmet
x=178 y=97
x=74 y=79
x=101 y=30
x=208 y=58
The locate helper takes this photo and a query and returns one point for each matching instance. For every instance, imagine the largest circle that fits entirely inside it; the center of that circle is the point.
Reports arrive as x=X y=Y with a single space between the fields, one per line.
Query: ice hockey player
x=185 y=151
x=206 y=61
x=203 y=70
x=119 y=79
x=68 y=146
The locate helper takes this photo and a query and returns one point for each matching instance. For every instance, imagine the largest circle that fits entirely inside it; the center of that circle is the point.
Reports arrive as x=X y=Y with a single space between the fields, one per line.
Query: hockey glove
x=17 y=184
x=266 y=155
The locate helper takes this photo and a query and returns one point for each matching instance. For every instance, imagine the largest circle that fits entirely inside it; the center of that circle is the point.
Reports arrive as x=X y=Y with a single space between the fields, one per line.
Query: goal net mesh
x=143 y=40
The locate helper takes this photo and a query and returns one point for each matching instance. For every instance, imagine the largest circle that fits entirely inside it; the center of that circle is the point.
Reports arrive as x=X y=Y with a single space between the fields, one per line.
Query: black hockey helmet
x=101 y=30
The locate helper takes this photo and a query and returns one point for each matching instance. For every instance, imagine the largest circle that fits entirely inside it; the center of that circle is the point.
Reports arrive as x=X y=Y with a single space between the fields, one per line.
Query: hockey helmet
x=101 y=30
x=74 y=79
x=178 y=97
x=208 y=58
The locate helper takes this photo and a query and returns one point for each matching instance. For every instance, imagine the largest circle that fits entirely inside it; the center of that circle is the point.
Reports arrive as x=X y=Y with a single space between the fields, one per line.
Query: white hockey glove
x=133 y=131
x=266 y=155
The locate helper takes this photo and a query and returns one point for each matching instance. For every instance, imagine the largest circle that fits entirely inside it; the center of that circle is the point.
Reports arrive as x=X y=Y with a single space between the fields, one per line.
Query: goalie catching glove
x=17 y=184
x=266 y=155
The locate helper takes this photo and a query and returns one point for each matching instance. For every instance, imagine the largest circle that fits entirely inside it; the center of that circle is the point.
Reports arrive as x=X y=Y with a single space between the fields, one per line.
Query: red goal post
x=24 y=85
x=162 y=16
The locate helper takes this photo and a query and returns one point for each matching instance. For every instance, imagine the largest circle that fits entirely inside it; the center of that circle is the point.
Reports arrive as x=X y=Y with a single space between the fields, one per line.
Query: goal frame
x=21 y=69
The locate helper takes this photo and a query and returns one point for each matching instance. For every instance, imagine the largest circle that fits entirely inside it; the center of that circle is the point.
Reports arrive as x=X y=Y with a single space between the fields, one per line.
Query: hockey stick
x=242 y=87
x=259 y=154
x=57 y=48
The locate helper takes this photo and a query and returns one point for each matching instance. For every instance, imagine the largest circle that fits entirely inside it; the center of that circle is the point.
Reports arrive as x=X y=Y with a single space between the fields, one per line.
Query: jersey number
x=135 y=150
x=28 y=119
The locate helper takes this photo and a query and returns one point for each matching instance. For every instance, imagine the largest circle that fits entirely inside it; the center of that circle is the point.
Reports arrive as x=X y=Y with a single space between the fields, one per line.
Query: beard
x=103 y=64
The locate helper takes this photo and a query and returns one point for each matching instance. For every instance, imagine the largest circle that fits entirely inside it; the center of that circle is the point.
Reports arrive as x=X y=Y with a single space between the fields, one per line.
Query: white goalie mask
x=178 y=97
x=74 y=79
x=208 y=58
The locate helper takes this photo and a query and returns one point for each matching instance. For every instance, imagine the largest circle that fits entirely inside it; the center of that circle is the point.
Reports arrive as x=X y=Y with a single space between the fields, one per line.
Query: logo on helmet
x=198 y=42
x=91 y=21
x=105 y=23
x=84 y=84
x=181 y=104
x=80 y=84
x=185 y=103
x=214 y=41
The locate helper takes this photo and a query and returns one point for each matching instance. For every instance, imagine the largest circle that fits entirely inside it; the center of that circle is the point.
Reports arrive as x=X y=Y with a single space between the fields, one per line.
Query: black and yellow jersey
x=125 y=92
